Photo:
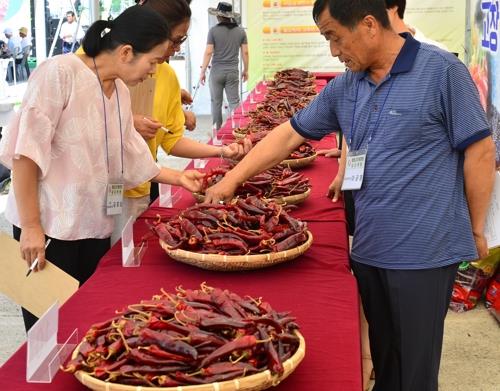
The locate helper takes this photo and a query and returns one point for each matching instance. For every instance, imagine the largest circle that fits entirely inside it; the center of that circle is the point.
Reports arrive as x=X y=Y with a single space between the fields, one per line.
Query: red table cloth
x=317 y=288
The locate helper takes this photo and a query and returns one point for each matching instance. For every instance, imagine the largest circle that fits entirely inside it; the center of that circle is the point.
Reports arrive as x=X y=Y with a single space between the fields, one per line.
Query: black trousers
x=78 y=258
x=405 y=310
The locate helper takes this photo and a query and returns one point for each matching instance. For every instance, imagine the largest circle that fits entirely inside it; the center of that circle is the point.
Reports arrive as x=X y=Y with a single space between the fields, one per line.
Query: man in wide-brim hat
x=225 y=41
x=223 y=9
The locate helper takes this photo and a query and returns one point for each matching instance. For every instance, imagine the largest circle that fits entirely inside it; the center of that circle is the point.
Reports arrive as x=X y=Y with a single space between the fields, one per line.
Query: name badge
x=355 y=169
x=114 y=199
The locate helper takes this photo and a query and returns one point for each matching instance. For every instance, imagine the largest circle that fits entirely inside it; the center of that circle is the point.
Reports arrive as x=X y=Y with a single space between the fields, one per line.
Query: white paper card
x=492 y=226
x=114 y=199
x=355 y=169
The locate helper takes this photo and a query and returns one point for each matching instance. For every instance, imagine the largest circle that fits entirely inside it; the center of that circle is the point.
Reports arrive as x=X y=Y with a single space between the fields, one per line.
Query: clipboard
x=142 y=97
x=39 y=290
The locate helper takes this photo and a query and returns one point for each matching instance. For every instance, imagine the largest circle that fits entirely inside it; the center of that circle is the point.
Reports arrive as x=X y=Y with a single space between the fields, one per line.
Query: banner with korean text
x=282 y=33
x=484 y=64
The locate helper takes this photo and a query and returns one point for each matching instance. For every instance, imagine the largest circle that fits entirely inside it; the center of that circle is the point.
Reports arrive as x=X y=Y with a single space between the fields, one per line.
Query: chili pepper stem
x=187 y=317
x=125 y=344
x=144 y=314
x=206 y=288
x=178 y=320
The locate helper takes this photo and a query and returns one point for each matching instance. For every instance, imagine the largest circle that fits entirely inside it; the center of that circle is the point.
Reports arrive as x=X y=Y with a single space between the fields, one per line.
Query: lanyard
x=106 y=119
x=374 y=128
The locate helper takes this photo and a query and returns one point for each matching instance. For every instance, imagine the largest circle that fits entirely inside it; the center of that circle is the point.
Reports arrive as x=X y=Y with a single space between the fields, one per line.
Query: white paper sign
x=165 y=195
x=42 y=339
x=45 y=355
x=492 y=226
x=128 y=243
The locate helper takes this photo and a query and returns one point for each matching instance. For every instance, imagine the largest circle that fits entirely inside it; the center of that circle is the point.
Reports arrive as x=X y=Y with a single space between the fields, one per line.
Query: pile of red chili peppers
x=290 y=91
x=243 y=226
x=197 y=336
x=279 y=181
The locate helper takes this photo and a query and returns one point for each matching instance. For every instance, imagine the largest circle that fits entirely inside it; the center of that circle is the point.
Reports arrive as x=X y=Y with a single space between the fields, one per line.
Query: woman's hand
x=189 y=120
x=32 y=244
x=146 y=126
x=186 y=98
x=191 y=180
x=236 y=151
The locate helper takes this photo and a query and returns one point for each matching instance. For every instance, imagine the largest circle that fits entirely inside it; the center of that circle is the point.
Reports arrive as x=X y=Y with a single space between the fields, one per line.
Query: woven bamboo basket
x=255 y=382
x=237 y=262
x=299 y=163
x=238 y=136
x=283 y=200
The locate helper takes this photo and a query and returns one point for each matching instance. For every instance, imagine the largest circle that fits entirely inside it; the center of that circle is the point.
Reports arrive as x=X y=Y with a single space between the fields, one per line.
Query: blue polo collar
x=405 y=59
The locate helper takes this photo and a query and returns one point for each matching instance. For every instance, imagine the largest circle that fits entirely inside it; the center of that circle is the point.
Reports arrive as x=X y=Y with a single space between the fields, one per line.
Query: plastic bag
x=493 y=296
x=471 y=281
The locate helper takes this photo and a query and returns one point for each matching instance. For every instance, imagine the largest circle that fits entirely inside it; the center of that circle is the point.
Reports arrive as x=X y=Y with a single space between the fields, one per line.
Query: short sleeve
x=138 y=163
x=463 y=115
x=318 y=119
x=31 y=131
x=244 y=39
x=210 y=38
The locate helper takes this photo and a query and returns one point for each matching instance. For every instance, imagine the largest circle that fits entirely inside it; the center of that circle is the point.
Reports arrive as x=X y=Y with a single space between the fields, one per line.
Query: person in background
x=168 y=113
x=4 y=50
x=225 y=40
x=23 y=69
x=25 y=40
x=411 y=112
x=14 y=51
x=396 y=13
x=70 y=33
x=71 y=162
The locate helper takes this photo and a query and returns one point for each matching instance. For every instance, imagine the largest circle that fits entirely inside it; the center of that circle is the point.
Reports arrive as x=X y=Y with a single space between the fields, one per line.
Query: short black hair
x=349 y=12
x=137 y=26
x=70 y=13
x=401 y=4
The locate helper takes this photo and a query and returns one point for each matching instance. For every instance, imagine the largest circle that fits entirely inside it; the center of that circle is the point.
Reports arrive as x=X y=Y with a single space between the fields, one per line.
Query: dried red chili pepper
x=274 y=362
x=151 y=337
x=245 y=342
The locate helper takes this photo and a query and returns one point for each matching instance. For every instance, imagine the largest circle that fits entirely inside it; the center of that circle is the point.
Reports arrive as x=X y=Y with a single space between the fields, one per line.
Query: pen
x=35 y=262
x=166 y=130
x=162 y=127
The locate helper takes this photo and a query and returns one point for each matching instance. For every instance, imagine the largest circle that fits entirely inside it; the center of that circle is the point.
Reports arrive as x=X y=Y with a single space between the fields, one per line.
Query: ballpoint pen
x=166 y=130
x=161 y=127
x=35 y=262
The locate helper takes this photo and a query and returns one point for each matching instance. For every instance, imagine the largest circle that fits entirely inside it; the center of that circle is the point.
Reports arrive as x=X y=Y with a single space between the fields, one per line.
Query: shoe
x=5 y=186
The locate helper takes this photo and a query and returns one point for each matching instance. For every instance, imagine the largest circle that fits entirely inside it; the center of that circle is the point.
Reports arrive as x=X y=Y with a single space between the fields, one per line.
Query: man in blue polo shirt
x=422 y=161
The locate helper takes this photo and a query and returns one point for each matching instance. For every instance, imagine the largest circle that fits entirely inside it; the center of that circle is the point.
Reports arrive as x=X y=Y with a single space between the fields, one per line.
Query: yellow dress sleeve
x=167 y=109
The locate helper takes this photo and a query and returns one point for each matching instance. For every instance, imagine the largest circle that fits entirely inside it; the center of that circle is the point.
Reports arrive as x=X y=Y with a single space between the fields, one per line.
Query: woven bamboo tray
x=299 y=163
x=287 y=200
x=238 y=136
x=236 y=262
x=256 y=382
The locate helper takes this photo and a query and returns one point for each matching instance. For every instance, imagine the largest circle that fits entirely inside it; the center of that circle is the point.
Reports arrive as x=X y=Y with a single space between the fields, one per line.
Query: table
x=317 y=287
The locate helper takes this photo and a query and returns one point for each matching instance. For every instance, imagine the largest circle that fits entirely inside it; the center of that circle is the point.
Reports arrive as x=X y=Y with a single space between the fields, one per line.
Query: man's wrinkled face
x=345 y=43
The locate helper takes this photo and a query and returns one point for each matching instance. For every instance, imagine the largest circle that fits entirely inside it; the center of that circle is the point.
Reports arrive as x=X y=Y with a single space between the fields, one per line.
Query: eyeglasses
x=179 y=41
